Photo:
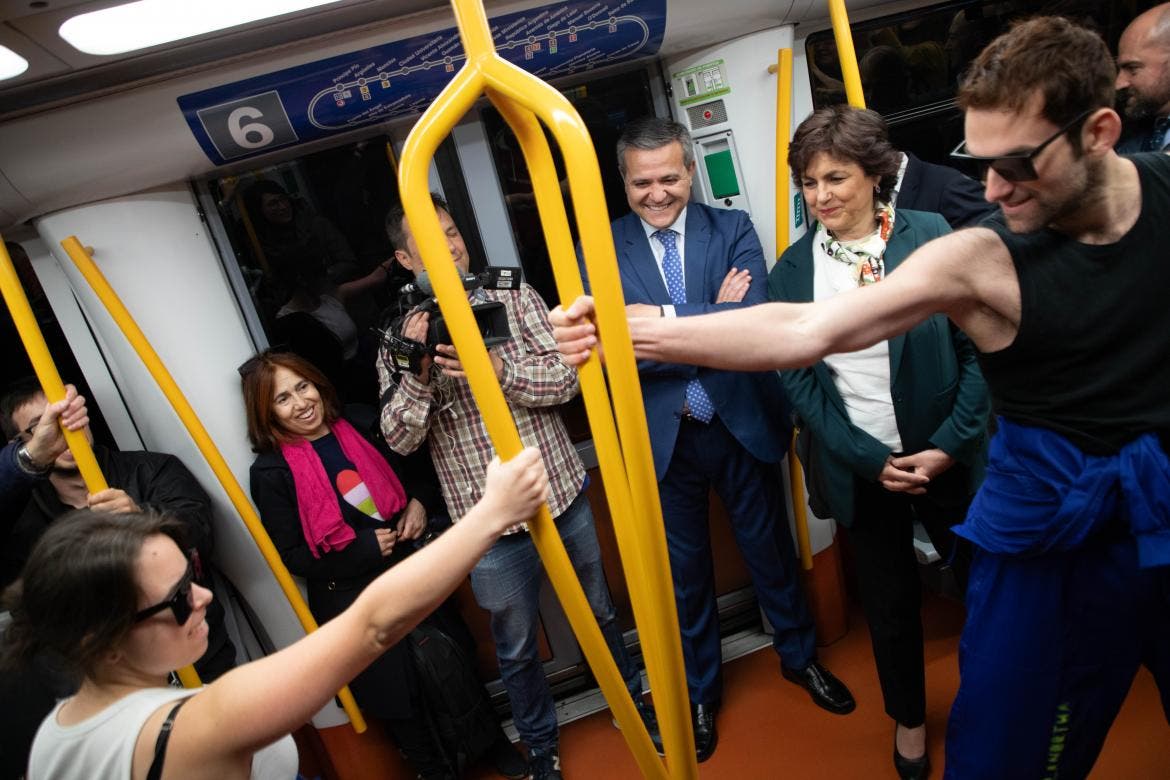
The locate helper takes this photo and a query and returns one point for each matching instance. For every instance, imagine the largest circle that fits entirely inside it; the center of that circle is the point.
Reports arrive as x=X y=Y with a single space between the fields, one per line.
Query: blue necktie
x=698 y=402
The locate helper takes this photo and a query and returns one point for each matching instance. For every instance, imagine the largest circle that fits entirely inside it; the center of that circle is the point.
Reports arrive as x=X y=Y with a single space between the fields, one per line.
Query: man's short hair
x=397 y=213
x=1069 y=65
x=17 y=394
x=848 y=134
x=650 y=133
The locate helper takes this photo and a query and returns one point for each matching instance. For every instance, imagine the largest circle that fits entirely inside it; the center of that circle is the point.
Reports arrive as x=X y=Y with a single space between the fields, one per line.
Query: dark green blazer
x=940 y=398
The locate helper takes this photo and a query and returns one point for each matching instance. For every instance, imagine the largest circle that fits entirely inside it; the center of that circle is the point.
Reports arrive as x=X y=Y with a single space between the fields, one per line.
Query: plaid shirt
x=535 y=382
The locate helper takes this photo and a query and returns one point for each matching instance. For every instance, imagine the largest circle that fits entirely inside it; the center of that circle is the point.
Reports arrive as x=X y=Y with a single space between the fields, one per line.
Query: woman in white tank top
x=114 y=597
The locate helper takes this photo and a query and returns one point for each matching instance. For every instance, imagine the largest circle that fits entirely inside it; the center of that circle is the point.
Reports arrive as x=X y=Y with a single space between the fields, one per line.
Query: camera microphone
x=420 y=286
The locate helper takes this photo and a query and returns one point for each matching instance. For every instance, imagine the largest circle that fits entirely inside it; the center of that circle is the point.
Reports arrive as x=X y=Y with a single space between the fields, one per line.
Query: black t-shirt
x=357 y=506
x=1091 y=359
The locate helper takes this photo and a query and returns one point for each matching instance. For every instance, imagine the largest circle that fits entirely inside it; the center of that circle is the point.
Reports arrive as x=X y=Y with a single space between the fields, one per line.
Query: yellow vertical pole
x=850 y=73
x=783 y=132
x=45 y=368
x=783 y=198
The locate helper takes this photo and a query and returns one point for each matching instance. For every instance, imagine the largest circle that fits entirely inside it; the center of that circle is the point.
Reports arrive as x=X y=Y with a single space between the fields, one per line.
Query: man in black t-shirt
x=1070 y=585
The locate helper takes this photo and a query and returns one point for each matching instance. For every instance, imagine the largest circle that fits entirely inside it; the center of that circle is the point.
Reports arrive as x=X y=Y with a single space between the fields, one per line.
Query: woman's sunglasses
x=180 y=601
x=1014 y=167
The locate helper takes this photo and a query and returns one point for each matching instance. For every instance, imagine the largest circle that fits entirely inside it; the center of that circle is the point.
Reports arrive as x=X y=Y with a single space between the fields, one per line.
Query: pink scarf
x=320 y=511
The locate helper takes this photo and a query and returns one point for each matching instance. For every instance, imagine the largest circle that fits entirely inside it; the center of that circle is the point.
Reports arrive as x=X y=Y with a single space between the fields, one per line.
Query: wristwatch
x=25 y=461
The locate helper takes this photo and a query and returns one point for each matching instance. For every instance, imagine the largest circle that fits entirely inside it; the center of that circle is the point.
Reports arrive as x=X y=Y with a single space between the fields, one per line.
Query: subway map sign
x=292 y=106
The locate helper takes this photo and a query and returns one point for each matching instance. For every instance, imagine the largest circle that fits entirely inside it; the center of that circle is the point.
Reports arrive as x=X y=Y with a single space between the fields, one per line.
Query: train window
x=309 y=240
x=605 y=104
x=910 y=63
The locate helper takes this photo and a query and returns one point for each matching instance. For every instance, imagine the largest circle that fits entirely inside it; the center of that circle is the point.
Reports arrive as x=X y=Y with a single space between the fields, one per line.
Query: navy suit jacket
x=751 y=405
x=943 y=190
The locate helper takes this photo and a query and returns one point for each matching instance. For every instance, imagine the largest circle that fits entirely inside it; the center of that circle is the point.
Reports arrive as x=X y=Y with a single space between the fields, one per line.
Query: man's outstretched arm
x=936 y=278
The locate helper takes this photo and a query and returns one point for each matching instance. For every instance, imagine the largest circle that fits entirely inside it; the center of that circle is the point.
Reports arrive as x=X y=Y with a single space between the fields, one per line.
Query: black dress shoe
x=650 y=720
x=703 y=720
x=826 y=690
x=912 y=768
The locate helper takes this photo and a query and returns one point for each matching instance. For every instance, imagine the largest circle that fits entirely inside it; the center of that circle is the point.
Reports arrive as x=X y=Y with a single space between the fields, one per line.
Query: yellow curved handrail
x=54 y=389
x=850 y=73
x=137 y=339
x=628 y=473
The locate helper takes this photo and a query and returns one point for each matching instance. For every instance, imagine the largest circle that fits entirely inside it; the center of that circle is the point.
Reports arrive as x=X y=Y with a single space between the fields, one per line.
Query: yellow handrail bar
x=637 y=516
x=850 y=73
x=54 y=389
x=137 y=339
x=783 y=70
x=46 y=369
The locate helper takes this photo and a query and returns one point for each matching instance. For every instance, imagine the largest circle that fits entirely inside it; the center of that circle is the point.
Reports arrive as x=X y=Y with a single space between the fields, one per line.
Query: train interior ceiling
x=199 y=171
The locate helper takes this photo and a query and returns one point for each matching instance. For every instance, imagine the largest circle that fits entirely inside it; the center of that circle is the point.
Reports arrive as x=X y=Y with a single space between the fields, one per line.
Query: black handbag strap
x=160 y=744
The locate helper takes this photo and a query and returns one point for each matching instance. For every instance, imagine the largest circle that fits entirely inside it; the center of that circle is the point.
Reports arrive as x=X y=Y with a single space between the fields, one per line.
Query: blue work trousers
x=1048 y=654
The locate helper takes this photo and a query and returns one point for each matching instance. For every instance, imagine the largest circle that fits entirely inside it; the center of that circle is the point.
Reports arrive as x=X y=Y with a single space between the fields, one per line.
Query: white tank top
x=102 y=747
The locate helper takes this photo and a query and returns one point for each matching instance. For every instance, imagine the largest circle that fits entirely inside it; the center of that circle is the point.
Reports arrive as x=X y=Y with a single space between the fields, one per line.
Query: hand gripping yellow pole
x=846 y=53
x=46 y=369
x=637 y=504
x=210 y=452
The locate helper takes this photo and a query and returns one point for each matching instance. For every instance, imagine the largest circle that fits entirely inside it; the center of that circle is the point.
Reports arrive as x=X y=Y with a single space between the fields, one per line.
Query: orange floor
x=768 y=728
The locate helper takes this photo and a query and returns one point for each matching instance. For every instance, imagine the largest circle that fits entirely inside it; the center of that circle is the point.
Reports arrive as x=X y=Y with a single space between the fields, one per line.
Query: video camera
x=418 y=296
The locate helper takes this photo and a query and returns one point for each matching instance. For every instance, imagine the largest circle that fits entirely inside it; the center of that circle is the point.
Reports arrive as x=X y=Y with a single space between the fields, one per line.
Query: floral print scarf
x=863 y=255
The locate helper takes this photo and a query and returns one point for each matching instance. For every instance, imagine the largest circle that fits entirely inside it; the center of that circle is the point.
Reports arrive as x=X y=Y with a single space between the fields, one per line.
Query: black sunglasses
x=1018 y=166
x=180 y=601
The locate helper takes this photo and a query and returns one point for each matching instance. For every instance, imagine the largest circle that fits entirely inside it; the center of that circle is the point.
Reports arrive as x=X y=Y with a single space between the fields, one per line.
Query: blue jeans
x=507 y=583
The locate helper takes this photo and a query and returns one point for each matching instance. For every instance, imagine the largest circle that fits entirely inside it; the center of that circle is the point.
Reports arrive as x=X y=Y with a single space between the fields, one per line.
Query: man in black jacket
x=925 y=186
x=138 y=481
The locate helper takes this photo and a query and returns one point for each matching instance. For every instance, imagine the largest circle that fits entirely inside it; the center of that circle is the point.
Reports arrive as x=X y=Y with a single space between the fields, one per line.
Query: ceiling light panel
x=11 y=63
x=147 y=23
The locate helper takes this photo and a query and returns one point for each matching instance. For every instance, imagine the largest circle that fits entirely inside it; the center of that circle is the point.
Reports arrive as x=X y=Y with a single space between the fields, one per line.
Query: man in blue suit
x=710 y=428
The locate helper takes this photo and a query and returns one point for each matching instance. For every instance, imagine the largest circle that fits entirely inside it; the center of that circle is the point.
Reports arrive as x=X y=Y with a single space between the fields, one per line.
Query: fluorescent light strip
x=11 y=63
x=147 y=23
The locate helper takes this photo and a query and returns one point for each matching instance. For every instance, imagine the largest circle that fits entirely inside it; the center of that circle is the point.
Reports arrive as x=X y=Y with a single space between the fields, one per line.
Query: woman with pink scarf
x=340 y=515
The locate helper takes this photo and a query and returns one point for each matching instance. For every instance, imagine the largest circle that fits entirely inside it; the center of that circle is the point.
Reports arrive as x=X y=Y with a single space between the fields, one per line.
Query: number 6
x=240 y=132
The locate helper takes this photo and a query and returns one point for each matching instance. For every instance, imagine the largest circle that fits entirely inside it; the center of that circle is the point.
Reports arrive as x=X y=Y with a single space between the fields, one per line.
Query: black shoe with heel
x=911 y=768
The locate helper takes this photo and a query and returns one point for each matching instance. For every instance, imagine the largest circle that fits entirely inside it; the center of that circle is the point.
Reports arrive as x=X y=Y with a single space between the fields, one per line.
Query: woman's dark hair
x=848 y=134
x=257 y=383
x=79 y=590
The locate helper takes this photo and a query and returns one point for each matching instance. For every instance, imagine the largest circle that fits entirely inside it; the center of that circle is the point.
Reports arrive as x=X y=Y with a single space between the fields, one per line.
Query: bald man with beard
x=1143 y=81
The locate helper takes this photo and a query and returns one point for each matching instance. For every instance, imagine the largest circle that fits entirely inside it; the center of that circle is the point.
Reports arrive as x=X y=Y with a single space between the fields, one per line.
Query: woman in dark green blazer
x=889 y=434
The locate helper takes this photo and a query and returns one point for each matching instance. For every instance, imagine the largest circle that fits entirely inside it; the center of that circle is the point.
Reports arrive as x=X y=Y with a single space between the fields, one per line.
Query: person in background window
x=284 y=226
x=340 y=515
